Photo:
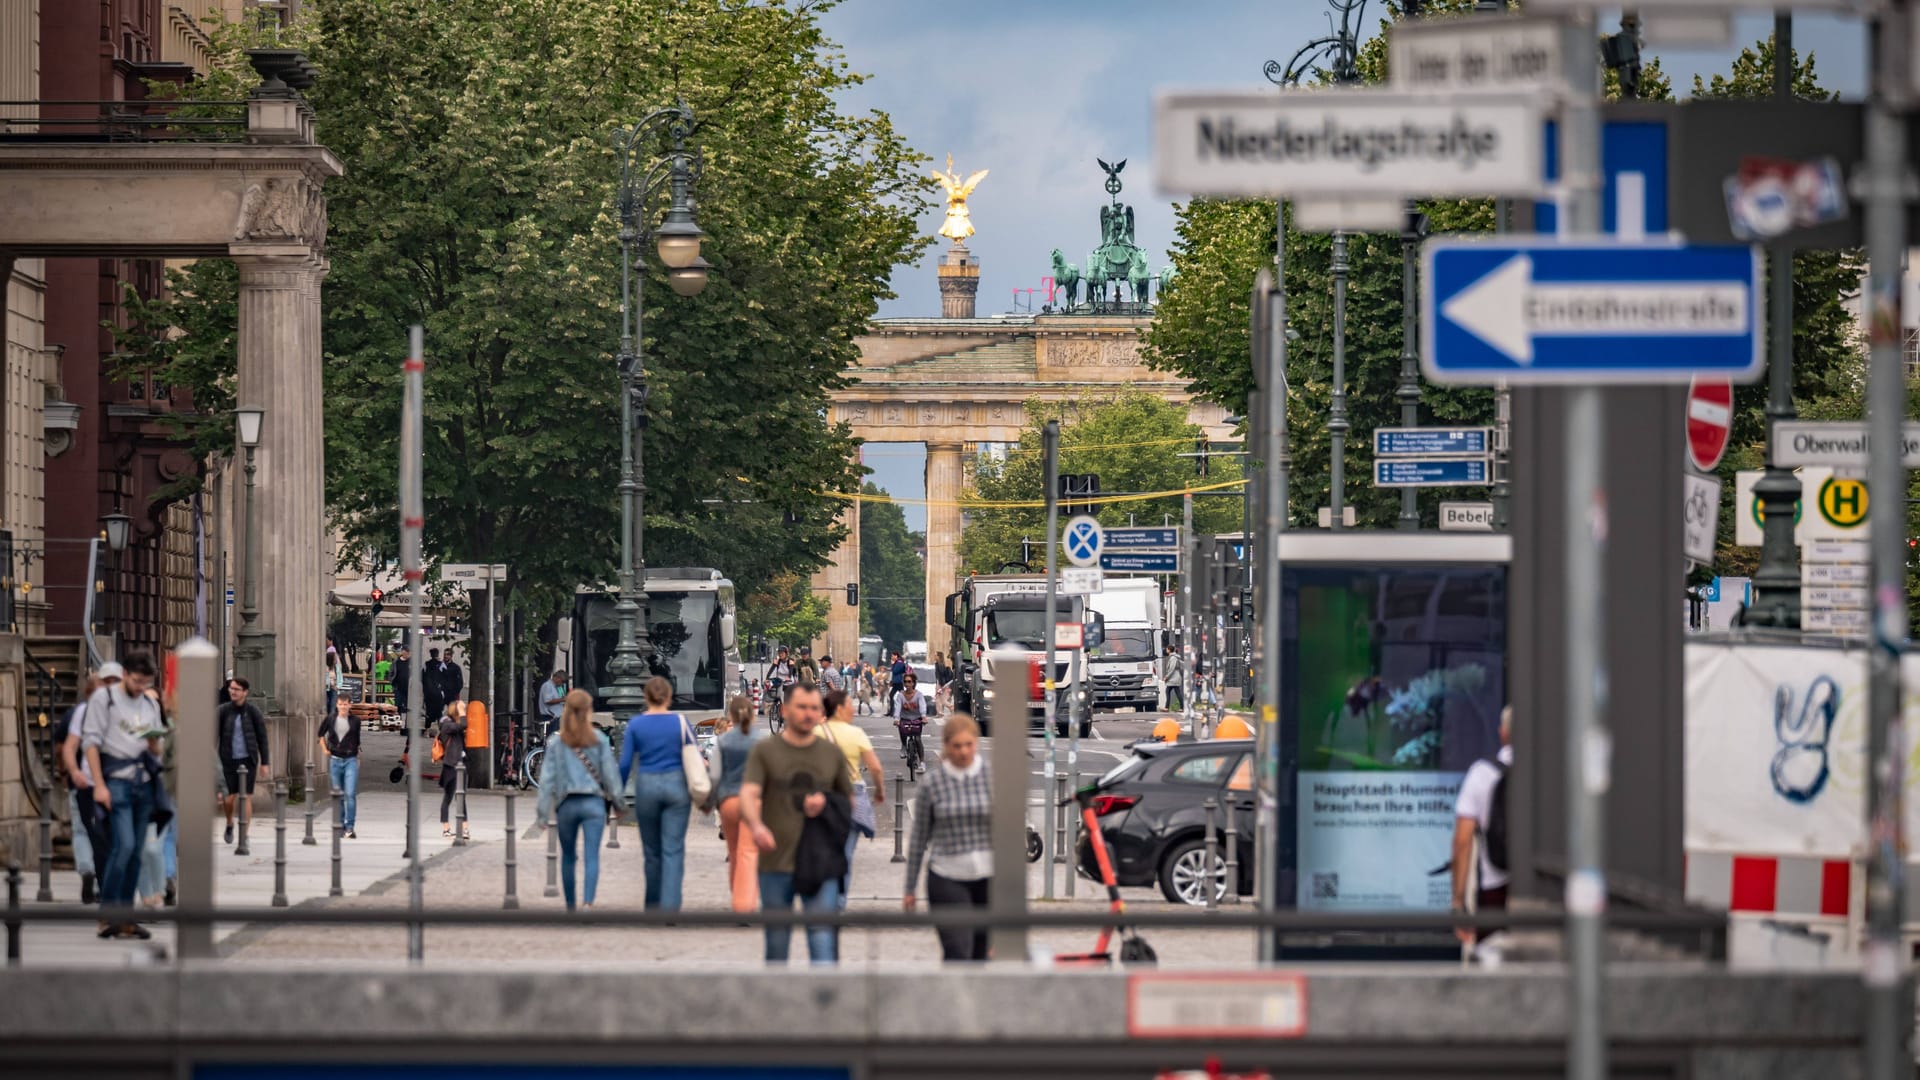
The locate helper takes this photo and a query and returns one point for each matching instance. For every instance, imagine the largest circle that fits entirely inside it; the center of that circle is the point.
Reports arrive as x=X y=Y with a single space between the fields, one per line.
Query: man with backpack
x=1481 y=811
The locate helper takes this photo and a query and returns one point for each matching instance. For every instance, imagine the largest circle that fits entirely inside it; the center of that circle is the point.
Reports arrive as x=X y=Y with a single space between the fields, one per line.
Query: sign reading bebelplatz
x=1541 y=311
x=1348 y=142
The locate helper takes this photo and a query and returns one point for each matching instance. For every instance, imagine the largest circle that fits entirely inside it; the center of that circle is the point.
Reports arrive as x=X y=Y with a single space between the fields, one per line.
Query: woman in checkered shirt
x=953 y=815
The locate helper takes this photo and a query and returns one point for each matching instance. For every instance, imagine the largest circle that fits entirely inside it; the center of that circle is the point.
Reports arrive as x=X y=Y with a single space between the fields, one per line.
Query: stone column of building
x=279 y=371
x=946 y=475
x=843 y=621
x=959 y=274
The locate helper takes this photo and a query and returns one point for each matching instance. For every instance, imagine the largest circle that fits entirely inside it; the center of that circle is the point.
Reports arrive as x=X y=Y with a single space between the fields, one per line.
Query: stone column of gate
x=945 y=481
x=279 y=344
x=843 y=622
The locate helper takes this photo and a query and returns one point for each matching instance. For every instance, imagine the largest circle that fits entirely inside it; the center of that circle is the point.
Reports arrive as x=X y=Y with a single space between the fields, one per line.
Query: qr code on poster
x=1326 y=886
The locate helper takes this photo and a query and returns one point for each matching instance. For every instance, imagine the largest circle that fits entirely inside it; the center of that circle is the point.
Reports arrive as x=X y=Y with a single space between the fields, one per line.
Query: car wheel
x=1183 y=876
x=1086 y=729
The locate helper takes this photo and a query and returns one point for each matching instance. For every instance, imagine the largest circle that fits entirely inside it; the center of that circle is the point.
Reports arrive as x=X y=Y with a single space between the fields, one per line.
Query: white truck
x=1128 y=668
x=994 y=616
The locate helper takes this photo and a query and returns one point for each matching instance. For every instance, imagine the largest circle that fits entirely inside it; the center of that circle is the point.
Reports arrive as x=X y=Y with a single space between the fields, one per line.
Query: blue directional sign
x=1141 y=562
x=1400 y=442
x=1430 y=472
x=1538 y=310
x=1633 y=198
x=1143 y=539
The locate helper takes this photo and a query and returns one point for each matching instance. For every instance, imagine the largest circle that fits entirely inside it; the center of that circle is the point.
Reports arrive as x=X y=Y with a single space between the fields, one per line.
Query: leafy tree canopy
x=892 y=576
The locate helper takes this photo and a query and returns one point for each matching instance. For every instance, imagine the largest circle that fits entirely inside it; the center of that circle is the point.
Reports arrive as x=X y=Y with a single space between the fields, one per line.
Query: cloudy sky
x=1036 y=91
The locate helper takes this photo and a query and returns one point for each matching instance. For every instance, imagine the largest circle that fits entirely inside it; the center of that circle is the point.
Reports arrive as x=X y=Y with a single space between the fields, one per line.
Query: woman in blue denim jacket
x=661 y=802
x=576 y=788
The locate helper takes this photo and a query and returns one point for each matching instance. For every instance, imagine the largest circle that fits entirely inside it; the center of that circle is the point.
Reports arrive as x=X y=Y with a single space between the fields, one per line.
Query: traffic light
x=376 y=596
x=853 y=594
x=1200 y=457
x=1075 y=487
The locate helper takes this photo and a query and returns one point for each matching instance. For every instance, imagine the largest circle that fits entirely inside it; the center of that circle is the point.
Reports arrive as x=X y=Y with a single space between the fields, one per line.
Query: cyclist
x=779 y=677
x=909 y=717
x=805 y=671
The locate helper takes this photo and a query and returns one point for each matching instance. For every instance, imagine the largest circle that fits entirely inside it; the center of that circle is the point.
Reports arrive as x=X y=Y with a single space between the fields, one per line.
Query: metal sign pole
x=1186 y=613
x=1050 y=449
x=1270 y=345
x=411 y=520
x=1888 y=182
x=1587 y=738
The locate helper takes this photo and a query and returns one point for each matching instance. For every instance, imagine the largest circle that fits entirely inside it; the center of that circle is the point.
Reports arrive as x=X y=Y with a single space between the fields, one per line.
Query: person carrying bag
x=661 y=755
x=578 y=793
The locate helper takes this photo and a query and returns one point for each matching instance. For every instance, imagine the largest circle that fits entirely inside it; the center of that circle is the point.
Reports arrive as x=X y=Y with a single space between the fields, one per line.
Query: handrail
x=149 y=120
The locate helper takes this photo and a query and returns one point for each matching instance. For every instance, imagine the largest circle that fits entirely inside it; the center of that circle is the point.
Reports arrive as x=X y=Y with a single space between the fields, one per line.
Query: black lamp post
x=677 y=241
x=116 y=526
x=253 y=649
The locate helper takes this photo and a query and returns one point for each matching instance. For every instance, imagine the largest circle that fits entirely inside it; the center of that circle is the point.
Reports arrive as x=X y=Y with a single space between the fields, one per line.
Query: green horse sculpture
x=1066 y=278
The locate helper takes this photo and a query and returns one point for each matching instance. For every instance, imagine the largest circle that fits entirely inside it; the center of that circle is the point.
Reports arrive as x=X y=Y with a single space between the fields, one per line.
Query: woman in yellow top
x=842 y=732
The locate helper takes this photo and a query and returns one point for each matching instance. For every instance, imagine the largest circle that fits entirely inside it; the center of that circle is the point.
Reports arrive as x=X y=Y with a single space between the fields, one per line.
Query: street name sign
x=1709 y=421
x=1542 y=311
x=1430 y=472
x=1837 y=444
x=1134 y=538
x=1141 y=562
x=1080 y=580
x=1347 y=143
x=1082 y=540
x=1466 y=517
x=1429 y=441
x=1502 y=52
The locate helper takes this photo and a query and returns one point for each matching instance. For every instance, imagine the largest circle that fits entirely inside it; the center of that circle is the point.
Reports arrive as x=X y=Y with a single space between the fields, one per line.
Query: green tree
x=478 y=200
x=784 y=610
x=1132 y=441
x=893 y=580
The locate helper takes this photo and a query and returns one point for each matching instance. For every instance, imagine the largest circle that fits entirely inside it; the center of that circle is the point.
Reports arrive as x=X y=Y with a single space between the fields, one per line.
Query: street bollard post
x=13 y=914
x=613 y=829
x=512 y=902
x=308 y=840
x=45 y=893
x=1233 y=857
x=899 y=819
x=553 y=862
x=460 y=802
x=244 y=796
x=1057 y=816
x=1072 y=811
x=1212 y=854
x=339 y=830
x=279 y=843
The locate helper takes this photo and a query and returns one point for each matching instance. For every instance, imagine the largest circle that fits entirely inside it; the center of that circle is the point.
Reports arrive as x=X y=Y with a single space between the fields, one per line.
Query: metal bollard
x=13 y=914
x=512 y=902
x=899 y=819
x=1213 y=853
x=244 y=796
x=1072 y=811
x=279 y=843
x=45 y=893
x=339 y=830
x=308 y=840
x=1233 y=857
x=460 y=803
x=613 y=828
x=553 y=862
x=1057 y=815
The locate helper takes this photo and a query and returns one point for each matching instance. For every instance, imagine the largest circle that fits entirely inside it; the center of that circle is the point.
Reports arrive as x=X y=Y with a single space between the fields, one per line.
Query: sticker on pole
x=1083 y=540
x=1709 y=421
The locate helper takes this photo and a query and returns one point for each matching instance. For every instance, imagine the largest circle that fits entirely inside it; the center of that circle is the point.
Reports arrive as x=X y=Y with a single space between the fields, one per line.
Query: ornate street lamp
x=677 y=241
x=116 y=527
x=253 y=651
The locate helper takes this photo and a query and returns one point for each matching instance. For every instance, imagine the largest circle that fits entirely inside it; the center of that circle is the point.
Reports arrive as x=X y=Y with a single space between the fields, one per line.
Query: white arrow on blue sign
x=1083 y=540
x=1430 y=472
x=1544 y=311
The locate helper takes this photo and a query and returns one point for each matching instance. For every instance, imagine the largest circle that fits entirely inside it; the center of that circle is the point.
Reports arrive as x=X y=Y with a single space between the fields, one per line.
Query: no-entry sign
x=1709 y=421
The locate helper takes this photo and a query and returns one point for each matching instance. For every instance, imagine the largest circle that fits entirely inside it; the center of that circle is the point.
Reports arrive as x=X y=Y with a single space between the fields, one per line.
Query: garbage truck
x=995 y=618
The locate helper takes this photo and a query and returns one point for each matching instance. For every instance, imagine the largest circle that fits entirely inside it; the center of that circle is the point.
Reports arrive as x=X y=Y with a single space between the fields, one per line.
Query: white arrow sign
x=1508 y=309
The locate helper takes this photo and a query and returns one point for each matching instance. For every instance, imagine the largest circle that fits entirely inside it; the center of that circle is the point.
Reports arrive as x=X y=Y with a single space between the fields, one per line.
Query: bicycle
x=776 y=697
x=910 y=743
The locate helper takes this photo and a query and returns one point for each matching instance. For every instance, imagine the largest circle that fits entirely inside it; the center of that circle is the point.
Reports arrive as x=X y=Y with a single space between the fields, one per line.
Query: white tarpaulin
x=1776 y=749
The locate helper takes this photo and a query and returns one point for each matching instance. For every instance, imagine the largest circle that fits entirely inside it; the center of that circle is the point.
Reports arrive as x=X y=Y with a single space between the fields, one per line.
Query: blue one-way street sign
x=1543 y=311
x=1429 y=472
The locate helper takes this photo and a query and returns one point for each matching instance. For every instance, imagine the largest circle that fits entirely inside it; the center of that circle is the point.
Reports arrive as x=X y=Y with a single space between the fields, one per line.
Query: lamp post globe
x=678 y=239
x=117 y=526
x=246 y=421
x=688 y=280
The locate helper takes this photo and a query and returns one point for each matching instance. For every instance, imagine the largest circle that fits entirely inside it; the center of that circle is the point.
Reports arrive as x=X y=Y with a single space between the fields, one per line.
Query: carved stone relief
x=1112 y=352
x=282 y=209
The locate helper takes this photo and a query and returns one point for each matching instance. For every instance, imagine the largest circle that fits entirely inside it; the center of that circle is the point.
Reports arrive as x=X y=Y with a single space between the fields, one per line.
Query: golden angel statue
x=959 y=224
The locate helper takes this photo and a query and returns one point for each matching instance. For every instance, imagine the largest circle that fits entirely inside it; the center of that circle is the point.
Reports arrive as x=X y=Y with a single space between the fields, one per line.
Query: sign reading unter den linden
x=1347 y=142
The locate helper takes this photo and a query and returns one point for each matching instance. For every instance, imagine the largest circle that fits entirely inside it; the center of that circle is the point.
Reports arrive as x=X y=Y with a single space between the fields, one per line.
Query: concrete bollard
x=279 y=843
x=13 y=914
x=460 y=803
x=899 y=819
x=308 y=840
x=44 y=894
x=613 y=830
x=1233 y=857
x=553 y=862
x=512 y=901
x=1213 y=852
x=244 y=796
x=339 y=830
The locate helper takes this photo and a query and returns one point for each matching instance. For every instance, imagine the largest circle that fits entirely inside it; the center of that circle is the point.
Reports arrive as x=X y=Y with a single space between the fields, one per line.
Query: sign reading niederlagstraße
x=1347 y=142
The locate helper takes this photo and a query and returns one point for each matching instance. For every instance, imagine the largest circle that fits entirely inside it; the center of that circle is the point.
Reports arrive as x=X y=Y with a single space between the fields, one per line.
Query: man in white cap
x=91 y=840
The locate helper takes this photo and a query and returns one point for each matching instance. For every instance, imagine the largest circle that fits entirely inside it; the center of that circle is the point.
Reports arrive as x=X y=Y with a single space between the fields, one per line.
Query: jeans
x=82 y=842
x=344 y=774
x=662 y=806
x=132 y=807
x=823 y=942
x=577 y=813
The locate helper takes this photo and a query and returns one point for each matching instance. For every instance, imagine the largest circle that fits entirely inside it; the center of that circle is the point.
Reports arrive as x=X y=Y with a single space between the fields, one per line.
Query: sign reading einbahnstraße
x=1347 y=142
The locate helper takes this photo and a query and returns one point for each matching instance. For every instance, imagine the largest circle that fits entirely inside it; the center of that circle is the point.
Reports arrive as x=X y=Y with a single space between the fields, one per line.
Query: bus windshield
x=684 y=639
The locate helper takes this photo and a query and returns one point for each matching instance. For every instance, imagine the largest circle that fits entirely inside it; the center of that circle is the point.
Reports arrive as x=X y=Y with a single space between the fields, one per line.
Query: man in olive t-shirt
x=787 y=778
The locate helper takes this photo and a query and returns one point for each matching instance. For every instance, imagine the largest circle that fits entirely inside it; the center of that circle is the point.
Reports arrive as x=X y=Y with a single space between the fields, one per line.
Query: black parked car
x=1152 y=811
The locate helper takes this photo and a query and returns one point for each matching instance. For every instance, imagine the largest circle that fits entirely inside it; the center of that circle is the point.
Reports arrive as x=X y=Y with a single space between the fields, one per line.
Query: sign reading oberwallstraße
x=1841 y=444
x=1347 y=142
